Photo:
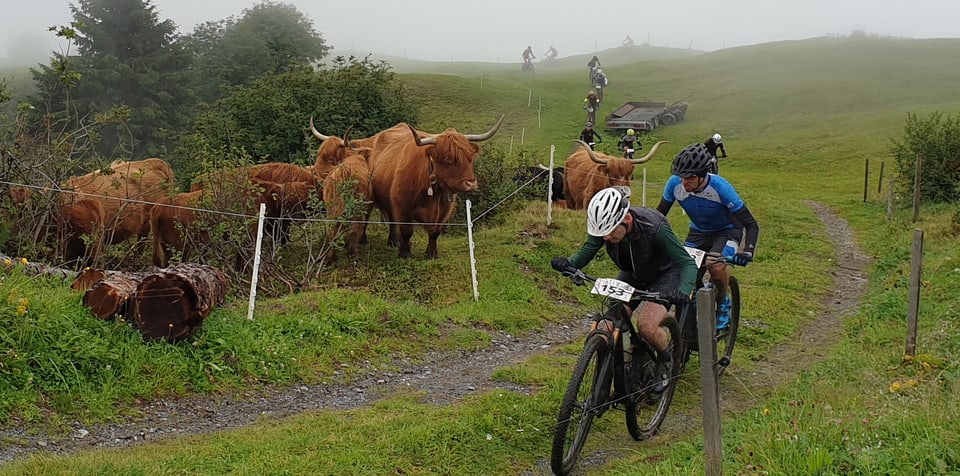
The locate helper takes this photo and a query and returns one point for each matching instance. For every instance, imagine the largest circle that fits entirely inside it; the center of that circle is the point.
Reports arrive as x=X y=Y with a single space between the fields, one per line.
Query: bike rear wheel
x=585 y=395
x=726 y=341
x=645 y=414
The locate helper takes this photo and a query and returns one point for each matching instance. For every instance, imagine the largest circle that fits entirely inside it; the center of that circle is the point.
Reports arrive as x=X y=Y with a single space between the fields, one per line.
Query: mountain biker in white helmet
x=713 y=143
x=642 y=245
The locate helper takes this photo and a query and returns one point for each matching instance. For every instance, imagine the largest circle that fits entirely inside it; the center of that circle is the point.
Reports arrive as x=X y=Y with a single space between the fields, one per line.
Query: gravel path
x=448 y=376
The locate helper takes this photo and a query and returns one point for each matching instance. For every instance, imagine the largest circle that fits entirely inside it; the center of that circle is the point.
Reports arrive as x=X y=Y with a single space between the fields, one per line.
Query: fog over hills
x=498 y=30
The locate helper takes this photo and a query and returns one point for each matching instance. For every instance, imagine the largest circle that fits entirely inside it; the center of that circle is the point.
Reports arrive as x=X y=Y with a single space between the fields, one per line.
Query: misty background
x=498 y=30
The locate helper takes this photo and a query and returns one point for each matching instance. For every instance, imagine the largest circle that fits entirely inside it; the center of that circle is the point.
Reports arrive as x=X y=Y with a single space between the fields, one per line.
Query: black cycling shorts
x=668 y=281
x=724 y=242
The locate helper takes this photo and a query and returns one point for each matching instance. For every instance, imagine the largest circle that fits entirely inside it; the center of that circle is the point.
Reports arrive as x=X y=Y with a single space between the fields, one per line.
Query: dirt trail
x=448 y=376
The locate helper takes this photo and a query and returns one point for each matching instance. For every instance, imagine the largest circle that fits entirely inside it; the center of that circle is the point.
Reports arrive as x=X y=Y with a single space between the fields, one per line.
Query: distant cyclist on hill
x=714 y=143
x=718 y=217
x=528 y=54
x=590 y=136
x=629 y=142
x=551 y=54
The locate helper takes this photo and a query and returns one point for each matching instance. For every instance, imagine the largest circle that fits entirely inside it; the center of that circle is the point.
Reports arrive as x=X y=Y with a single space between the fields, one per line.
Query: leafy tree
x=269 y=117
x=267 y=38
x=129 y=65
x=937 y=140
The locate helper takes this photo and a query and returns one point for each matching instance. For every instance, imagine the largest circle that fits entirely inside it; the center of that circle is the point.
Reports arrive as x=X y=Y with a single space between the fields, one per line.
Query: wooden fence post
x=916 y=277
x=916 y=188
x=880 y=181
x=866 y=178
x=709 y=387
x=890 y=200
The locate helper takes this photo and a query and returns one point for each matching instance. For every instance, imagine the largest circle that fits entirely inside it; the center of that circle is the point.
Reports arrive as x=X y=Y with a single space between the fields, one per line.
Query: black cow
x=539 y=173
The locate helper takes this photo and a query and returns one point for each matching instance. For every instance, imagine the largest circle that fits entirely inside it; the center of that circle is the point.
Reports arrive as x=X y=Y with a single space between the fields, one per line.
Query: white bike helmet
x=606 y=210
x=717 y=138
x=599 y=70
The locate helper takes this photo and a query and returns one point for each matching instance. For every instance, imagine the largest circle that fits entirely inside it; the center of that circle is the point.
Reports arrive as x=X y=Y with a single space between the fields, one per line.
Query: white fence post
x=473 y=259
x=553 y=149
x=643 y=190
x=256 y=260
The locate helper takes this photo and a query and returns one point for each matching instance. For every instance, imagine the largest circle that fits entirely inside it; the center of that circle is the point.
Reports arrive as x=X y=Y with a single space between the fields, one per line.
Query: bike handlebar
x=578 y=277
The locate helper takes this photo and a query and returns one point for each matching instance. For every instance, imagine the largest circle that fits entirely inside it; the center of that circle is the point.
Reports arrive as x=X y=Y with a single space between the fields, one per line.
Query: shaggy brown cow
x=171 y=224
x=350 y=180
x=125 y=194
x=587 y=172
x=174 y=220
x=331 y=152
x=276 y=172
x=292 y=200
x=417 y=180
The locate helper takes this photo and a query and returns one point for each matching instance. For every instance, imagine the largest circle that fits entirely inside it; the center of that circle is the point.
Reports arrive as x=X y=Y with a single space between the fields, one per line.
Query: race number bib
x=697 y=254
x=629 y=150
x=613 y=288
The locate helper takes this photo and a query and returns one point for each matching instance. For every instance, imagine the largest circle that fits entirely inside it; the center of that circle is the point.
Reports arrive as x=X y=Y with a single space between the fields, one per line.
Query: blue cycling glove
x=740 y=259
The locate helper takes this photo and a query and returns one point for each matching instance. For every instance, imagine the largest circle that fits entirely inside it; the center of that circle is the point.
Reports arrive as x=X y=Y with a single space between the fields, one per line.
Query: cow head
x=451 y=155
x=331 y=152
x=619 y=170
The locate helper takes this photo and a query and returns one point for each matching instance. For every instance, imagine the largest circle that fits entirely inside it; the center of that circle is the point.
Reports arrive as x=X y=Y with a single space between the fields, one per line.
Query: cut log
x=36 y=269
x=109 y=297
x=172 y=303
x=87 y=278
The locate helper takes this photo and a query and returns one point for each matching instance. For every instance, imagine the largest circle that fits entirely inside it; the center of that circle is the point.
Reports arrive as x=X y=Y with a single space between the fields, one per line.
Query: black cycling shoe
x=664 y=369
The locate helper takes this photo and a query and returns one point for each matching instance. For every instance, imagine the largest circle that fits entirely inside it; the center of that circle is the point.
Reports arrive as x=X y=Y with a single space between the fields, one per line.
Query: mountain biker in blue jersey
x=718 y=217
x=642 y=245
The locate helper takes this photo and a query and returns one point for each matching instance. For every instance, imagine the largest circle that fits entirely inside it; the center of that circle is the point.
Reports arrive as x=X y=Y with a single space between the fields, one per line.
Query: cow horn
x=421 y=141
x=541 y=166
x=649 y=154
x=593 y=156
x=346 y=138
x=487 y=135
x=315 y=132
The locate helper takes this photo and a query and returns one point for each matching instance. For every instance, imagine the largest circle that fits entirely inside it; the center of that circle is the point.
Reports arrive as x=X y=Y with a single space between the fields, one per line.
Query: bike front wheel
x=585 y=395
x=647 y=410
x=728 y=339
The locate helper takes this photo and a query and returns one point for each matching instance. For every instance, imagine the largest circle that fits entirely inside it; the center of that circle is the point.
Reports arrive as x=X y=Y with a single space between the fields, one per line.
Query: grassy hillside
x=799 y=120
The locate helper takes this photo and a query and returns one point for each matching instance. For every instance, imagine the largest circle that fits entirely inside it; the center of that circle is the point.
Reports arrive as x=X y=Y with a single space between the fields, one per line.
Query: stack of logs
x=169 y=303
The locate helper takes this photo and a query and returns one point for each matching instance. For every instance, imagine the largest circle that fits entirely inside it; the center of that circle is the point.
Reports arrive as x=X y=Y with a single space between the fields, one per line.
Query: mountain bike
x=591 y=112
x=606 y=376
x=727 y=339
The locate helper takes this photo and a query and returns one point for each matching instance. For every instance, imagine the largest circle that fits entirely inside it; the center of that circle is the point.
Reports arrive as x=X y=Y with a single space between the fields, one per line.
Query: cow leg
x=406 y=232
x=432 y=243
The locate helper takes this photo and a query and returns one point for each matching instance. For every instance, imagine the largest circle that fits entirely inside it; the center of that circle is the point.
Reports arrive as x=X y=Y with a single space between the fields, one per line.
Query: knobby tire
x=580 y=403
x=726 y=343
x=653 y=414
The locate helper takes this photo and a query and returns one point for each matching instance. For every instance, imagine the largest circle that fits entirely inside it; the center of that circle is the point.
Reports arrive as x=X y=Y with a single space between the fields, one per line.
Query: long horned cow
x=587 y=172
x=331 y=152
x=417 y=179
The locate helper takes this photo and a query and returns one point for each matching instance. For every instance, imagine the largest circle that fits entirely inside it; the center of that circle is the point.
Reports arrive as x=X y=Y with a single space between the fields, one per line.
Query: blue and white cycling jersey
x=711 y=209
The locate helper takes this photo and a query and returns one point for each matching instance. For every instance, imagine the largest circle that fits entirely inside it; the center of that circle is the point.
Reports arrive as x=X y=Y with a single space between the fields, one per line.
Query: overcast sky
x=498 y=30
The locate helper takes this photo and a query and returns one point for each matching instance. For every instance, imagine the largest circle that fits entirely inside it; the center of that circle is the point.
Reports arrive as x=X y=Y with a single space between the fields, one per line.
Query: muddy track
x=444 y=377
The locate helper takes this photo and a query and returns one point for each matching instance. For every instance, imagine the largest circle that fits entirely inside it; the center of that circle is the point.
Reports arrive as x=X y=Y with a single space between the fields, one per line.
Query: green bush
x=936 y=139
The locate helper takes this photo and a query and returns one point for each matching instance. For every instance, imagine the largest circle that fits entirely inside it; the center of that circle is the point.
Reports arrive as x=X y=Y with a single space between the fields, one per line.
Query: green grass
x=799 y=120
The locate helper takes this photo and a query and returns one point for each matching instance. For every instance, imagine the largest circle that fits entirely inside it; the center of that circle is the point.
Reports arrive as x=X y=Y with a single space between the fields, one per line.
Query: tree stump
x=172 y=303
x=109 y=296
